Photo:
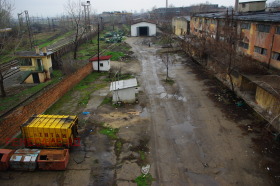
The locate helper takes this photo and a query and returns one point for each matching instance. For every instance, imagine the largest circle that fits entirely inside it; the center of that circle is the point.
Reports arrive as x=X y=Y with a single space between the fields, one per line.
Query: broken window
x=263 y=28
x=276 y=56
x=246 y=26
x=244 y=45
x=260 y=50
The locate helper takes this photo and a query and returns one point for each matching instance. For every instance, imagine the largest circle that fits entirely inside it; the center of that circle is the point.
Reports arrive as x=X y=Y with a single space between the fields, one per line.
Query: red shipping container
x=5 y=155
x=53 y=159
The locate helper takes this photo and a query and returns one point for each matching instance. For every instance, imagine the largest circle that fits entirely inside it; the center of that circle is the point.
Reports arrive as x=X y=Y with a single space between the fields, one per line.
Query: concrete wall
x=251 y=7
x=106 y=65
x=124 y=95
x=152 y=28
x=179 y=26
x=10 y=124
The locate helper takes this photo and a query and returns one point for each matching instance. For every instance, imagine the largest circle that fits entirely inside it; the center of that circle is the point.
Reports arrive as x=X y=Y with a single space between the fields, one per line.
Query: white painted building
x=104 y=63
x=143 y=28
x=124 y=90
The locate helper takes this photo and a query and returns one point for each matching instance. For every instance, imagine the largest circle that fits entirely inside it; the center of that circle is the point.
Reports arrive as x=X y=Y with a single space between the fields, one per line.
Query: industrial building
x=259 y=31
x=143 y=28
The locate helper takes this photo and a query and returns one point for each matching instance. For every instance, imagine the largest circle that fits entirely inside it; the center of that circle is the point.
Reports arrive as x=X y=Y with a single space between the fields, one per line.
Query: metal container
x=53 y=159
x=5 y=155
x=50 y=131
x=24 y=159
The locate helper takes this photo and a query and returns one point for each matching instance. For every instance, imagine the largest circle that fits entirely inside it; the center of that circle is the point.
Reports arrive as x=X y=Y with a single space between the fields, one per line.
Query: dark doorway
x=144 y=31
x=36 y=78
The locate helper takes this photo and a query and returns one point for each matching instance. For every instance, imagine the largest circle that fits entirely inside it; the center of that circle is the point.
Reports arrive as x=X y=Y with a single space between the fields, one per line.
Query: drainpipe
x=269 y=60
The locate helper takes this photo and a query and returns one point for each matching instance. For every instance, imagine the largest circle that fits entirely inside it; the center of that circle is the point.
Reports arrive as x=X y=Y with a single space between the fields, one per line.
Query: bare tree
x=75 y=11
x=6 y=38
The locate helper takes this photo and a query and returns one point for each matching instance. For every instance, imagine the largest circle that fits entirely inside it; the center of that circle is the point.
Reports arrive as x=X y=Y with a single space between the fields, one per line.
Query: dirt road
x=192 y=142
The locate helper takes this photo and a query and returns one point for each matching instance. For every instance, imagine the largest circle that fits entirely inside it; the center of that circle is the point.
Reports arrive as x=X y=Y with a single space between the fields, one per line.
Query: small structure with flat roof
x=37 y=64
x=124 y=90
x=104 y=63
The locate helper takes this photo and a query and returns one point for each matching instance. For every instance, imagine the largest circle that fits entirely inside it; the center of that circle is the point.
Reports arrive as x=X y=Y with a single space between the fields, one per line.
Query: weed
x=110 y=132
x=142 y=155
x=169 y=81
x=107 y=100
x=118 y=147
x=144 y=180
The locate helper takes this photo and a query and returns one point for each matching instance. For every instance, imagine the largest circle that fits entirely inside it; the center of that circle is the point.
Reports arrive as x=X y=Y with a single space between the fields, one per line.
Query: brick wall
x=10 y=125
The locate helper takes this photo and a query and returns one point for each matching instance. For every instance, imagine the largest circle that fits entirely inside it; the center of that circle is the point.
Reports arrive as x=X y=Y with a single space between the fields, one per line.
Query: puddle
x=172 y=96
x=144 y=113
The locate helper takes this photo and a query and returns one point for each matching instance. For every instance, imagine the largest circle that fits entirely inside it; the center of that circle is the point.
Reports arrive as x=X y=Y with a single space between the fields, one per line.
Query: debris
x=145 y=169
x=86 y=113
x=205 y=165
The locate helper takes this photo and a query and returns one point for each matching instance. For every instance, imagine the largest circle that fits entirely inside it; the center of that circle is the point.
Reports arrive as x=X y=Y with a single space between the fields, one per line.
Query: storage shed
x=143 y=28
x=104 y=63
x=124 y=90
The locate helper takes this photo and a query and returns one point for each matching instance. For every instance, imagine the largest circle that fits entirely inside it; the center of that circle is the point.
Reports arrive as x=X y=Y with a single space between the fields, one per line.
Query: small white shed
x=143 y=28
x=124 y=90
x=104 y=63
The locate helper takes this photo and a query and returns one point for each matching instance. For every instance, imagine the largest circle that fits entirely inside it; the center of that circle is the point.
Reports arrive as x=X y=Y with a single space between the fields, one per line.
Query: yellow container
x=50 y=131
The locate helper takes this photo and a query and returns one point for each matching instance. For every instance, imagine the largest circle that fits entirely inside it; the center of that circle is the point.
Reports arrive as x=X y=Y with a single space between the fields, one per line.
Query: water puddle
x=172 y=96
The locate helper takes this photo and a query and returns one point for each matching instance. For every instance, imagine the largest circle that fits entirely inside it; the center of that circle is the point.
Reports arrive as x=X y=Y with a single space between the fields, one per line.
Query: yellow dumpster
x=50 y=131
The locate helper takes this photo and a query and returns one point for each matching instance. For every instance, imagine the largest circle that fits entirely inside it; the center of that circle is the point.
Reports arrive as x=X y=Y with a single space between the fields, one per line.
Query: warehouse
x=143 y=28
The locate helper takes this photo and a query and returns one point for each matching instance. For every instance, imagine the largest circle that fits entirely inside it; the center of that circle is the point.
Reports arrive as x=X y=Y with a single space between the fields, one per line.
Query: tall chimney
x=37 y=50
x=236 y=5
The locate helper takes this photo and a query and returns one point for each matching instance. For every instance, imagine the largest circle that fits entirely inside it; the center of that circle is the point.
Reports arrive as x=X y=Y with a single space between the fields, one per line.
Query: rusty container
x=24 y=159
x=53 y=159
x=5 y=155
x=50 y=131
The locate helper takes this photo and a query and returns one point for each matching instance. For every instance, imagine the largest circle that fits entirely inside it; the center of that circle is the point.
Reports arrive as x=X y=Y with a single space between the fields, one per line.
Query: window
x=200 y=20
x=213 y=21
x=26 y=62
x=244 y=45
x=276 y=56
x=222 y=23
x=243 y=5
x=246 y=26
x=101 y=64
x=260 y=50
x=195 y=19
x=195 y=30
x=206 y=21
x=263 y=28
x=278 y=30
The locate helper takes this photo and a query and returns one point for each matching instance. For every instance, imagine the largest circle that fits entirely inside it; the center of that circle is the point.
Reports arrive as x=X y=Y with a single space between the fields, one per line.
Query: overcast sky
x=49 y=8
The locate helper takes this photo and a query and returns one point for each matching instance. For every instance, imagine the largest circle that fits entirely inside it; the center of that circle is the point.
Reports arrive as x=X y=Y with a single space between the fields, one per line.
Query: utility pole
x=86 y=12
x=98 y=61
x=27 y=19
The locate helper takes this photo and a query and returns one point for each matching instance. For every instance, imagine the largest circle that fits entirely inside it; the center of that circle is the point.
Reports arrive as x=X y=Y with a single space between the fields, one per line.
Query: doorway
x=143 y=31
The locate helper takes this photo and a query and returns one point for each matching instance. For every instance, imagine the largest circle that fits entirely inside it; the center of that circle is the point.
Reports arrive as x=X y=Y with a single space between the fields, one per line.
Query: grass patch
x=110 y=132
x=115 y=55
x=9 y=101
x=169 y=81
x=107 y=100
x=118 y=147
x=144 y=180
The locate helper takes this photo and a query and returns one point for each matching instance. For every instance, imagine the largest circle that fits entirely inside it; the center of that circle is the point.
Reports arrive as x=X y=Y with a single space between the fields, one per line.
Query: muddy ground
x=190 y=130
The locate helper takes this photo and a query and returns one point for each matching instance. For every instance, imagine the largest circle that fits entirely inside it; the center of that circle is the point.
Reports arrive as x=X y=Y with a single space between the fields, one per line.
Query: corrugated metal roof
x=256 y=16
x=123 y=84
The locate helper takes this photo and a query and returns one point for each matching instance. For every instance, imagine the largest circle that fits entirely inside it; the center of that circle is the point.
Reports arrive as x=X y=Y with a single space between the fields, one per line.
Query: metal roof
x=256 y=16
x=100 y=58
x=32 y=54
x=123 y=84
